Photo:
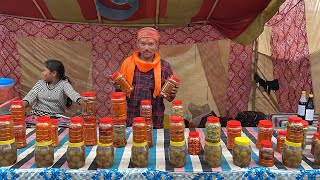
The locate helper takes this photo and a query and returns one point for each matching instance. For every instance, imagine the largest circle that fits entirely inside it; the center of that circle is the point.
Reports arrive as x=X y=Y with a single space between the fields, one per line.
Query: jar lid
x=138 y=120
x=194 y=134
x=295 y=119
x=213 y=119
x=118 y=95
x=233 y=123
x=54 y=121
x=19 y=122
x=265 y=123
x=303 y=92
x=17 y=102
x=177 y=102
x=88 y=94
x=148 y=122
x=176 y=119
x=6 y=81
x=43 y=119
x=282 y=132
x=311 y=95
x=266 y=143
x=115 y=75
x=145 y=102
x=76 y=119
x=292 y=143
x=175 y=78
x=305 y=123
x=105 y=120
x=315 y=135
x=5 y=118
x=242 y=141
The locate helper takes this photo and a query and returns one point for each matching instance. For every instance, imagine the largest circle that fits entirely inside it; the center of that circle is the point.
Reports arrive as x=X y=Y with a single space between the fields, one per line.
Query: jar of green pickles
x=213 y=154
x=291 y=154
x=213 y=129
x=241 y=152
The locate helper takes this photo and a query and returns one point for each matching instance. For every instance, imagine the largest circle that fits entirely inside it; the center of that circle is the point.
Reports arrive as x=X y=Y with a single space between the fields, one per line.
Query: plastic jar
x=315 y=139
x=119 y=106
x=140 y=148
x=177 y=154
x=291 y=154
x=105 y=155
x=176 y=129
x=170 y=83
x=8 y=149
x=318 y=126
x=213 y=129
x=17 y=111
x=149 y=133
x=106 y=131
x=295 y=130
x=6 y=89
x=43 y=129
x=76 y=155
x=177 y=108
x=317 y=153
x=305 y=132
x=281 y=137
x=194 y=143
x=213 y=154
x=20 y=134
x=146 y=110
x=266 y=154
x=76 y=130
x=233 y=130
x=120 y=80
x=55 y=134
x=90 y=132
x=265 y=130
x=44 y=154
x=88 y=103
x=119 y=134
x=6 y=128
x=241 y=152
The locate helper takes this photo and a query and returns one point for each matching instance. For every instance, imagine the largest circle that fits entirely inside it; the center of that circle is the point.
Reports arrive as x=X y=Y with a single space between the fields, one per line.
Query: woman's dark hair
x=57 y=66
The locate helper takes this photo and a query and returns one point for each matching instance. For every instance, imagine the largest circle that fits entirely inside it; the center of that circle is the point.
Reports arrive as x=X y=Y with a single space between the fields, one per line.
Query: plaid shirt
x=143 y=90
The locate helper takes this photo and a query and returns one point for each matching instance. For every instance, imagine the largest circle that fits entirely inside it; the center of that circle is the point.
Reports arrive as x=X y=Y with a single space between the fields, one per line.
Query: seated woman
x=52 y=94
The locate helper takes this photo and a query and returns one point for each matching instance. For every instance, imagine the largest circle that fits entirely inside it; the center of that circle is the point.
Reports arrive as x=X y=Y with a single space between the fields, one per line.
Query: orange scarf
x=131 y=62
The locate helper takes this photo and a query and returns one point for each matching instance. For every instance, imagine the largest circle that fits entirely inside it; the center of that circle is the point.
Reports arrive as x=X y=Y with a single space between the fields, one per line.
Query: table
x=159 y=163
x=281 y=119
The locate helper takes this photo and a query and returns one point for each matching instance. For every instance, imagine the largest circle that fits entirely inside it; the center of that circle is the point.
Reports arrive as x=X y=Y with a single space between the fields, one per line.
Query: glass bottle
x=302 y=105
x=309 y=114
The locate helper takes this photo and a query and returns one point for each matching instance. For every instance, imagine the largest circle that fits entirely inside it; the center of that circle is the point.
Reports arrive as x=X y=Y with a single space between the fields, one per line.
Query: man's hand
x=174 y=93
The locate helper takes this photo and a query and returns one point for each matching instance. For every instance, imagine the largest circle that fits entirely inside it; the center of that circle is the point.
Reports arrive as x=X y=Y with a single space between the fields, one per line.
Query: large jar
x=119 y=106
x=170 y=83
x=265 y=130
x=140 y=148
x=233 y=130
x=213 y=129
x=106 y=131
x=177 y=108
x=149 y=133
x=43 y=129
x=17 y=111
x=105 y=155
x=281 y=137
x=266 y=154
x=6 y=89
x=55 y=134
x=20 y=134
x=88 y=103
x=177 y=154
x=194 y=143
x=90 y=132
x=241 y=152
x=76 y=130
x=305 y=132
x=294 y=130
x=176 y=129
x=291 y=154
x=146 y=110
x=76 y=155
x=120 y=80
x=8 y=149
x=6 y=128
x=315 y=139
x=119 y=134
x=139 y=129
x=44 y=150
x=213 y=154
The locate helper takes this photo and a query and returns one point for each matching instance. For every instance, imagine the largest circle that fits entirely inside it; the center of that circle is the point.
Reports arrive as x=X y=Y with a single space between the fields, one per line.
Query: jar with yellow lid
x=291 y=154
x=241 y=152
x=213 y=154
x=177 y=154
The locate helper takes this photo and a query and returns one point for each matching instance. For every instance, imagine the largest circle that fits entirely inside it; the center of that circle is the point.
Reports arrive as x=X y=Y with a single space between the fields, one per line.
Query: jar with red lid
x=106 y=131
x=176 y=129
x=105 y=149
x=90 y=132
x=315 y=139
x=76 y=130
x=76 y=148
x=43 y=129
x=146 y=110
x=281 y=137
x=140 y=148
x=233 y=130
x=6 y=128
x=88 y=103
x=119 y=79
x=177 y=108
x=20 y=134
x=295 y=130
x=55 y=134
x=305 y=132
x=266 y=154
x=8 y=149
x=17 y=111
x=194 y=143
x=149 y=133
x=265 y=130
x=170 y=83
x=119 y=106
x=213 y=129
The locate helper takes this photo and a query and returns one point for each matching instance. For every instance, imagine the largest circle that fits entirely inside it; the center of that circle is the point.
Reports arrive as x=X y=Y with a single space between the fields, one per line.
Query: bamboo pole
x=211 y=10
x=255 y=66
x=39 y=8
x=157 y=14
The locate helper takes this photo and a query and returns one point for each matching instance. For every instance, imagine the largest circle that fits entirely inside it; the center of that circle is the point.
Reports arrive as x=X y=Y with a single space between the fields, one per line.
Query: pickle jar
x=105 y=149
x=317 y=153
x=241 y=152
x=194 y=143
x=265 y=130
x=213 y=154
x=315 y=139
x=294 y=130
x=55 y=134
x=119 y=79
x=176 y=129
x=44 y=150
x=17 y=111
x=233 y=130
x=119 y=106
x=149 y=133
x=8 y=149
x=177 y=108
x=305 y=132
x=213 y=129
x=281 y=137
x=170 y=83
x=177 y=154
x=20 y=134
x=291 y=154
x=119 y=134
x=140 y=148
x=146 y=110
x=266 y=154
x=88 y=103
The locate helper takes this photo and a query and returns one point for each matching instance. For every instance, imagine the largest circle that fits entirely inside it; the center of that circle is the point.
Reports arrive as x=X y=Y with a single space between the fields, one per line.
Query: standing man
x=147 y=72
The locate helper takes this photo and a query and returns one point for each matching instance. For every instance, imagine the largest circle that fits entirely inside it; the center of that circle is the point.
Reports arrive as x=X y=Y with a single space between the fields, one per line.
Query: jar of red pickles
x=55 y=134
x=149 y=133
x=140 y=148
x=90 y=132
x=295 y=130
x=119 y=106
x=194 y=143
x=265 y=130
x=176 y=129
x=105 y=149
x=170 y=83
x=88 y=103
x=20 y=134
x=119 y=134
x=281 y=137
x=8 y=149
x=266 y=154
x=305 y=132
x=146 y=110
x=76 y=130
x=44 y=150
x=17 y=111
x=315 y=139
x=106 y=131
x=233 y=130
x=119 y=79
x=76 y=148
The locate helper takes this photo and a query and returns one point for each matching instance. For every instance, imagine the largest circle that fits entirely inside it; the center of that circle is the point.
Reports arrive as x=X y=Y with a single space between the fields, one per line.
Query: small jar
x=44 y=154
x=177 y=154
x=17 y=111
x=106 y=131
x=20 y=134
x=177 y=108
x=140 y=148
x=266 y=154
x=76 y=155
x=76 y=130
x=119 y=134
x=170 y=83
x=120 y=80
x=194 y=143
x=291 y=154
x=146 y=110
x=305 y=132
x=265 y=130
x=105 y=155
x=317 y=153
x=88 y=103
x=55 y=134
x=294 y=130
x=213 y=129
x=90 y=132
x=280 y=140
x=315 y=139
x=149 y=133
x=233 y=130
x=119 y=106
x=43 y=129
x=176 y=129
x=212 y=154
x=241 y=152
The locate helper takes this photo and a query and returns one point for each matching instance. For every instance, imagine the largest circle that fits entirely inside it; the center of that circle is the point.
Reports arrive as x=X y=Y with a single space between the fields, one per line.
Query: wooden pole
x=255 y=66
x=211 y=10
x=39 y=8
x=98 y=13
x=157 y=14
